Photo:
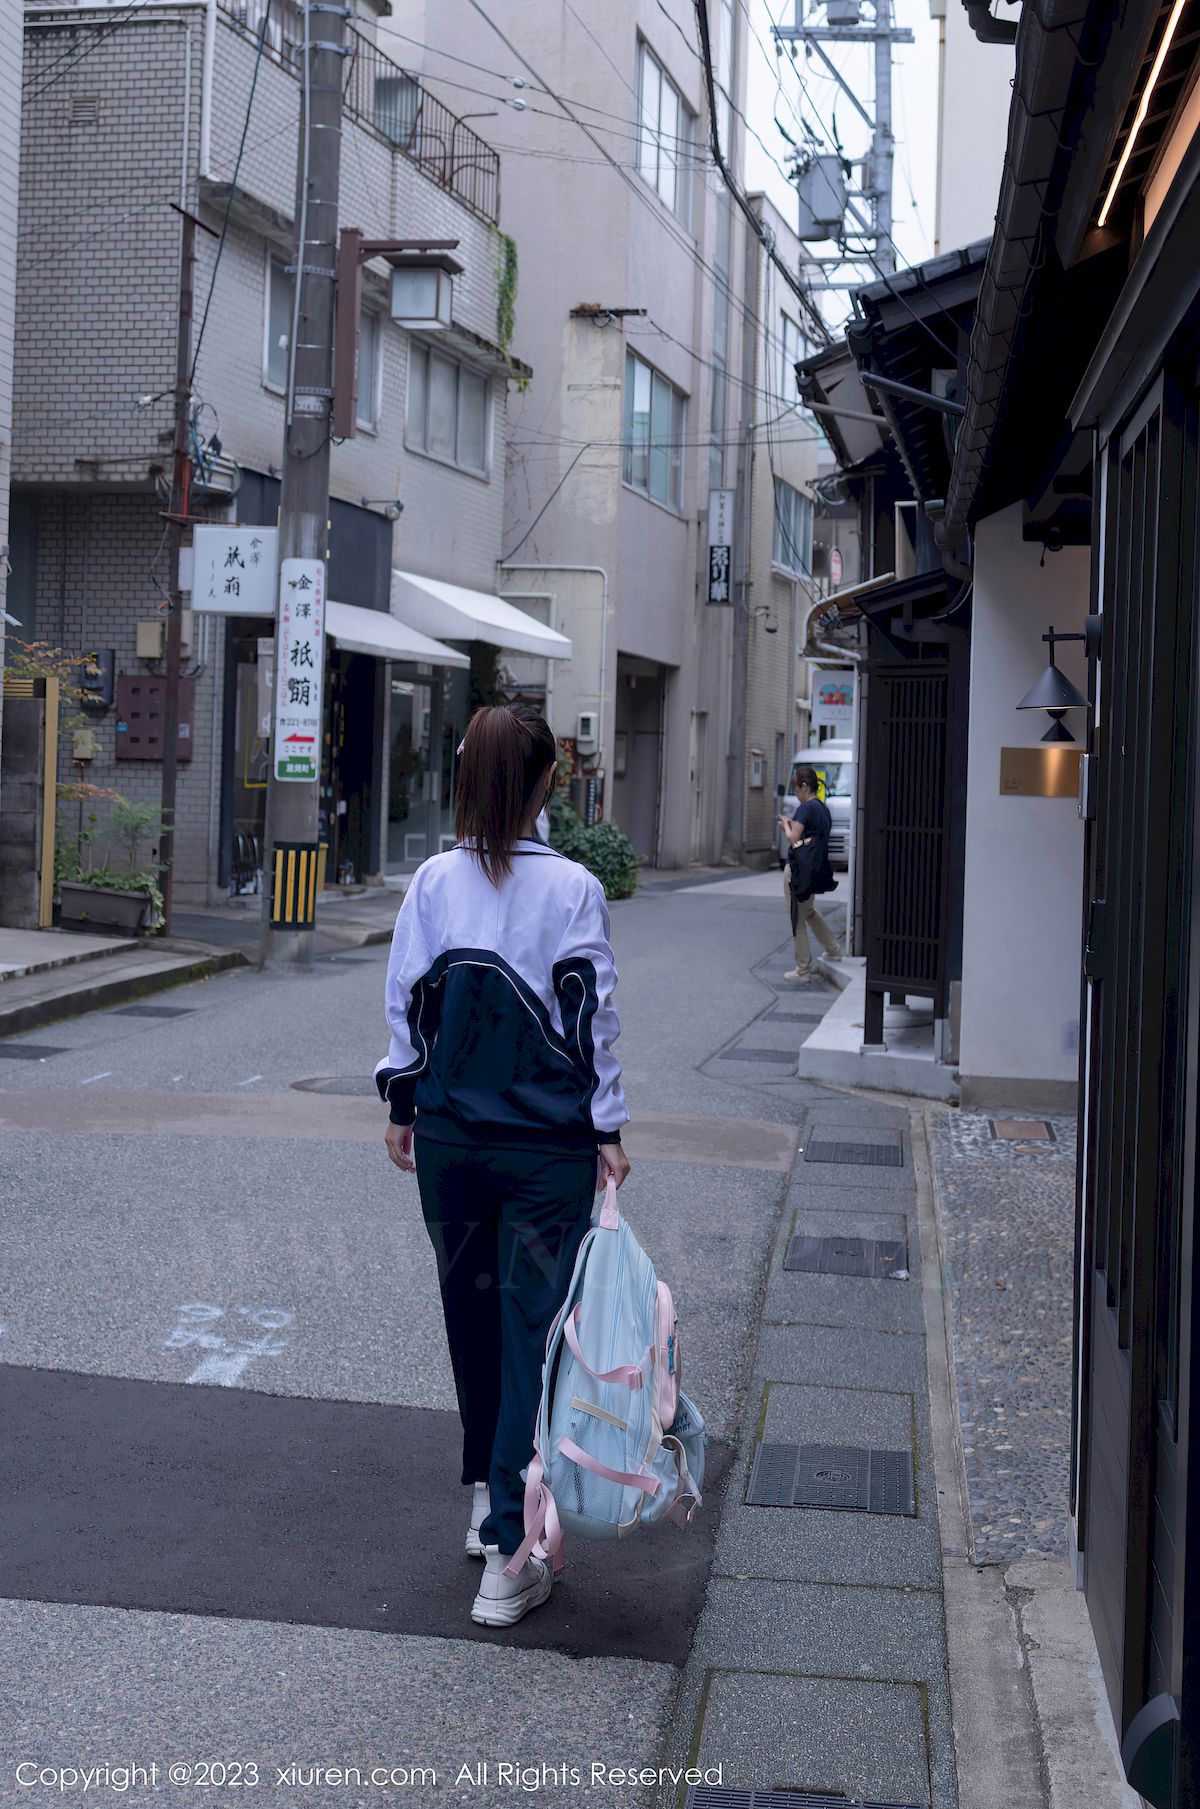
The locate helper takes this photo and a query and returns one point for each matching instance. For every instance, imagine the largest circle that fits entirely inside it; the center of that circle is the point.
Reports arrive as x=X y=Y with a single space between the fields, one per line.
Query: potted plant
x=103 y=880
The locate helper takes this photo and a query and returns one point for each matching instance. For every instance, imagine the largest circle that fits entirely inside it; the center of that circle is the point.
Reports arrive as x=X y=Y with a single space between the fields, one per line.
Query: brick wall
x=99 y=557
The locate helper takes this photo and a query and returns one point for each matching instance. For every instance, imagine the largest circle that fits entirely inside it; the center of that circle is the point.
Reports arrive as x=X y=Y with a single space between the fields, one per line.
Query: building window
x=277 y=324
x=370 y=369
x=793 y=529
x=791 y=350
x=664 y=152
x=653 y=437
x=447 y=410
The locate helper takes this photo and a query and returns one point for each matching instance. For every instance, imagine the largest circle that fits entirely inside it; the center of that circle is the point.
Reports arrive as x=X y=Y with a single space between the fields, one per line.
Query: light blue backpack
x=617 y=1444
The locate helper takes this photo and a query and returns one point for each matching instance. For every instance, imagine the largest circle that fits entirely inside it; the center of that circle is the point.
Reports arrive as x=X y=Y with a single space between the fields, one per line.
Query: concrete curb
x=33 y=1014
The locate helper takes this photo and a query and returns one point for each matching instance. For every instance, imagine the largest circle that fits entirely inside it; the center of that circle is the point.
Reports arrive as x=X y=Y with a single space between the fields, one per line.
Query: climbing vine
x=506 y=293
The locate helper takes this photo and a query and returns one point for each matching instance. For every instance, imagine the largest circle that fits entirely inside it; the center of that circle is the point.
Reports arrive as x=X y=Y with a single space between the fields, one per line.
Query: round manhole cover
x=357 y=1085
x=833 y=1476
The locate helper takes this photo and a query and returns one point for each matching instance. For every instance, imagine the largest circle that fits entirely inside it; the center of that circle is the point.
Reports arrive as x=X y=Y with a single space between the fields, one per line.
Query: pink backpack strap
x=628 y=1373
x=630 y=1479
x=543 y=1530
x=610 y=1217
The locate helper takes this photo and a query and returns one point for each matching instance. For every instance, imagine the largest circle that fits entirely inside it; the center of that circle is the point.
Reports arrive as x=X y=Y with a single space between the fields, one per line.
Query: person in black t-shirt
x=810 y=821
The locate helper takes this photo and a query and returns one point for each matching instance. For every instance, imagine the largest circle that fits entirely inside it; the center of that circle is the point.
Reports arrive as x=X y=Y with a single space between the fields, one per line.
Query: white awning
x=371 y=631
x=456 y=614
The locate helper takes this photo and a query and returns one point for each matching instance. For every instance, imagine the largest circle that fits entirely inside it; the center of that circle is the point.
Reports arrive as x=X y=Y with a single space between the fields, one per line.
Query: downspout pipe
x=206 y=87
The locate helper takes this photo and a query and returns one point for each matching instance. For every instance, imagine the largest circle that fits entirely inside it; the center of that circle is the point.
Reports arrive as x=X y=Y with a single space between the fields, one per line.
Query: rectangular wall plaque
x=1040 y=772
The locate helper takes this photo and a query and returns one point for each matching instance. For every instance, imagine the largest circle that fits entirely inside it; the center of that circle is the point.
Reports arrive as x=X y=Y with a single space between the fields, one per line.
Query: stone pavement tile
x=893 y=1635
x=835 y=1355
x=828 y=1111
x=816 y=1545
x=838 y=1735
x=864 y=1222
x=799 y=1297
x=818 y=1195
x=84 y=1685
x=823 y=1545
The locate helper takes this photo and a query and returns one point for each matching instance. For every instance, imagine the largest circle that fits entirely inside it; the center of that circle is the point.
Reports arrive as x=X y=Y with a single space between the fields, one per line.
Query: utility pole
x=293 y=785
x=882 y=35
x=177 y=521
x=882 y=143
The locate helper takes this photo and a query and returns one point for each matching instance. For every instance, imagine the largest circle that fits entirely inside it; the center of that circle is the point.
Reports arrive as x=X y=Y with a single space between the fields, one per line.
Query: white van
x=834 y=761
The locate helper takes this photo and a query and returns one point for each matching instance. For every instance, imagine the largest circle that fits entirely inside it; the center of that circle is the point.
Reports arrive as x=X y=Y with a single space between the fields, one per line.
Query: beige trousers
x=808 y=917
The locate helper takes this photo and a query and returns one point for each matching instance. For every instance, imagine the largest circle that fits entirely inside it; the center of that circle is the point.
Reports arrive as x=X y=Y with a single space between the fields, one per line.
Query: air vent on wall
x=85 y=109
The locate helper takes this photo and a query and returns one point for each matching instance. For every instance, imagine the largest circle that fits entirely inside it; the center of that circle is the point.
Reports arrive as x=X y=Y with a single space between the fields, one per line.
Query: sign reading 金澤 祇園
x=299 y=668
x=233 y=569
x=720 y=546
x=833 y=702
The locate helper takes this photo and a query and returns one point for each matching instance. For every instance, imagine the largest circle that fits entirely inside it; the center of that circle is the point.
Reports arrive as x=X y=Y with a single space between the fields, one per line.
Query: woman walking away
x=500 y=1005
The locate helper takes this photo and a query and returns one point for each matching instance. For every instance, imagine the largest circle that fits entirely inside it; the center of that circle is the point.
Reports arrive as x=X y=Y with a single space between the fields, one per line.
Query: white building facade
x=631 y=308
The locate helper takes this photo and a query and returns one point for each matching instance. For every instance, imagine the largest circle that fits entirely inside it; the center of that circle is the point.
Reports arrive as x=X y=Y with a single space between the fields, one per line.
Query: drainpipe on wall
x=206 y=87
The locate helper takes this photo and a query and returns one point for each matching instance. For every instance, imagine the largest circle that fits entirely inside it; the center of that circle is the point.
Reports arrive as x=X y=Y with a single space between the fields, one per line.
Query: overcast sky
x=803 y=91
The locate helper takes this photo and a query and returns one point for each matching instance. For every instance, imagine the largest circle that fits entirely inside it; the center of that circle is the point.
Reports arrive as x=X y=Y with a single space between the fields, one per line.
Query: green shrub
x=603 y=849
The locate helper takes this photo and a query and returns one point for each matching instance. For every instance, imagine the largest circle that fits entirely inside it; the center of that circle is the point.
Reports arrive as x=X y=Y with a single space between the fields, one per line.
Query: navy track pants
x=506 y=1226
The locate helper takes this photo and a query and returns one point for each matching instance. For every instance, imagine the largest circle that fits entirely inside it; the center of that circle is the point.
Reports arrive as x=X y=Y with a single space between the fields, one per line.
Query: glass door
x=412 y=780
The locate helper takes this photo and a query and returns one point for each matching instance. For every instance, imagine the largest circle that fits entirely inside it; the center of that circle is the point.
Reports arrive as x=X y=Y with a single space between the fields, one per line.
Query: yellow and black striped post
x=297 y=875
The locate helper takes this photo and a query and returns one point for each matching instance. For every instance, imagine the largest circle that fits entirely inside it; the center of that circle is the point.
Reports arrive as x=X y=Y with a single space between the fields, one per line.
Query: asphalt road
x=233 y=1527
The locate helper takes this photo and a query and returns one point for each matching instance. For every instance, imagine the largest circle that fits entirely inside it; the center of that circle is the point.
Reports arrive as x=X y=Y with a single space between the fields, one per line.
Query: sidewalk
x=49 y=975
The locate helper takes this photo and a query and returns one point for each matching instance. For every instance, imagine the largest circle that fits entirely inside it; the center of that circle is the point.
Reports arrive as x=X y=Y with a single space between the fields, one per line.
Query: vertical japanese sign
x=720 y=546
x=299 y=666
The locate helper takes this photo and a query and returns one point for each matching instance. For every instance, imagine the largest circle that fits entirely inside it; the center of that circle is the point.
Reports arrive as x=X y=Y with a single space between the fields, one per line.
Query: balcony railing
x=382 y=95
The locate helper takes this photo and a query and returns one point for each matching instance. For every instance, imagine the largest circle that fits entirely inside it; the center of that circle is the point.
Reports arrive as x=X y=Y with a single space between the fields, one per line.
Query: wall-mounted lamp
x=769 y=627
x=1054 y=691
x=392 y=507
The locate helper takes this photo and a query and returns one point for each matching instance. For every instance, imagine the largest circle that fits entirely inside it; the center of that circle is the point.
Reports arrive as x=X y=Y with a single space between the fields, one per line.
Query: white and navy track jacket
x=500 y=1005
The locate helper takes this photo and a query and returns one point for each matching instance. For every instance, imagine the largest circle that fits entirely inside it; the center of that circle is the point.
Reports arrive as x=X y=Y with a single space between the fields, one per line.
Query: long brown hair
x=505 y=754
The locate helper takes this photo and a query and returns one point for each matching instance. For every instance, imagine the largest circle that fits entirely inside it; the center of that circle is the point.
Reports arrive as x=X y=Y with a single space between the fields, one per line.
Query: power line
x=637 y=187
x=558 y=486
x=757 y=226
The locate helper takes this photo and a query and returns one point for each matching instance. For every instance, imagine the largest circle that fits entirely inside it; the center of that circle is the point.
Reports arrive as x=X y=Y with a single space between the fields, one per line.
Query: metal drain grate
x=866 y=1155
x=832 y=1476
x=721 y=1796
x=29 y=1052
x=154 y=1011
x=869 y=1258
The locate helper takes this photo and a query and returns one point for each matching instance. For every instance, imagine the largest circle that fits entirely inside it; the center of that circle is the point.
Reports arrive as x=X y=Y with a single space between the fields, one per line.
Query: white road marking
x=174 y=1078
x=226 y=1358
x=107 y=1075
x=250 y=1082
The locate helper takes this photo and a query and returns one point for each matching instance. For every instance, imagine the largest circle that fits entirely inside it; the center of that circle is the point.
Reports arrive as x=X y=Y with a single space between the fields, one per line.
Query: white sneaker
x=481 y=1507
x=835 y=953
x=502 y=1601
x=798 y=973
